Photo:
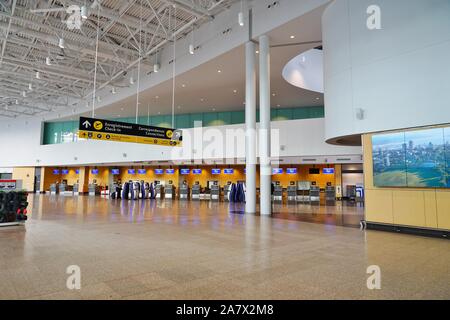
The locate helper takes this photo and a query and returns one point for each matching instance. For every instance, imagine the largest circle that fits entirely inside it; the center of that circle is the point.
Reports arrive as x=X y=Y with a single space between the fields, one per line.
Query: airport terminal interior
x=224 y=149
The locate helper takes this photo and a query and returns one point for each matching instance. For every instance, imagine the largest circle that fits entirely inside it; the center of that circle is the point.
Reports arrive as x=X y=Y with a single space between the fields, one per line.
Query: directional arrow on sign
x=86 y=124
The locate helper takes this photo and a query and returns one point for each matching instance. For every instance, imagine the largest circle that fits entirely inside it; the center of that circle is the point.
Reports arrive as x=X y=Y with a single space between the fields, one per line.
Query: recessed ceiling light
x=219 y=71
x=121 y=109
x=292 y=37
x=241 y=18
x=84 y=13
x=274 y=94
x=317 y=98
x=257 y=51
x=183 y=85
x=235 y=91
x=159 y=112
x=157 y=97
x=278 y=105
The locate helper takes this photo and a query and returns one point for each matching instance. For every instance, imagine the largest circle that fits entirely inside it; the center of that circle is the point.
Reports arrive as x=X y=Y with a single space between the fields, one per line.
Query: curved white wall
x=399 y=75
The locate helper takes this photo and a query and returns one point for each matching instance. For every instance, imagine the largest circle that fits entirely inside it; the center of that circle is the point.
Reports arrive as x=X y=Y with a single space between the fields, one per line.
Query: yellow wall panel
x=443 y=209
x=102 y=178
x=409 y=208
x=26 y=175
x=430 y=208
x=418 y=207
x=379 y=206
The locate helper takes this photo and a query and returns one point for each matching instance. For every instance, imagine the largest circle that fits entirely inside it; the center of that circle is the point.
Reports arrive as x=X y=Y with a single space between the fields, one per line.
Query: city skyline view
x=413 y=158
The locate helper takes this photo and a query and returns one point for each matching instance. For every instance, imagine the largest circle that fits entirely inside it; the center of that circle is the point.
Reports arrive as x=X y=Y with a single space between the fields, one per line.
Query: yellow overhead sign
x=108 y=130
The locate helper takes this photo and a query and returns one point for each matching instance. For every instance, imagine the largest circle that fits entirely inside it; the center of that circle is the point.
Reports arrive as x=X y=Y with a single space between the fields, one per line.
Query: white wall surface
x=20 y=146
x=399 y=75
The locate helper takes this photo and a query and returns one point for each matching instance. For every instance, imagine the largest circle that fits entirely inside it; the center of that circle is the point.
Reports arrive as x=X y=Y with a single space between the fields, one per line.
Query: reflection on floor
x=341 y=213
x=198 y=250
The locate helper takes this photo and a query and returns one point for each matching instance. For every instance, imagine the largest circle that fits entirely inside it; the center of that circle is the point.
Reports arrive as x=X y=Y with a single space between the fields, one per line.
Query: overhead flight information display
x=108 y=130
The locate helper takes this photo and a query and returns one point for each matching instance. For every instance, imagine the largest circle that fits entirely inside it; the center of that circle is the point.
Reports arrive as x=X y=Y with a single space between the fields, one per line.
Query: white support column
x=264 y=127
x=250 y=127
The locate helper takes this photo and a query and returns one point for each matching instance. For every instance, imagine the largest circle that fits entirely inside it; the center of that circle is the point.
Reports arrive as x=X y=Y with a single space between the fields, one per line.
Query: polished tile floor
x=199 y=250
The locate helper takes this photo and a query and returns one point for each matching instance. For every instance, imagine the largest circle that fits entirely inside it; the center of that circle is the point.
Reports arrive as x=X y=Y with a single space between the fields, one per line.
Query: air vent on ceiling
x=309 y=160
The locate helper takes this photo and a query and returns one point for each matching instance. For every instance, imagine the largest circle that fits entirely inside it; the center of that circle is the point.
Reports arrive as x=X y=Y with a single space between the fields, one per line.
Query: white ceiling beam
x=13 y=8
x=56 y=70
x=191 y=8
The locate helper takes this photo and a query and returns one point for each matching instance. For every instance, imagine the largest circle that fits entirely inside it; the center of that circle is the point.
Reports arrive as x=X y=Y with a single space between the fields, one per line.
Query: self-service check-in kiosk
x=159 y=190
x=292 y=191
x=351 y=192
x=278 y=192
x=62 y=187
x=314 y=192
x=330 y=192
x=196 y=190
x=359 y=193
x=54 y=188
x=65 y=189
x=170 y=190
x=76 y=189
x=226 y=191
x=184 y=191
x=215 y=190
x=94 y=189
x=303 y=189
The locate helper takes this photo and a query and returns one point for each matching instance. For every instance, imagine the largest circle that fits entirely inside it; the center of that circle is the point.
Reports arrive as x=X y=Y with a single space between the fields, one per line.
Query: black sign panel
x=110 y=127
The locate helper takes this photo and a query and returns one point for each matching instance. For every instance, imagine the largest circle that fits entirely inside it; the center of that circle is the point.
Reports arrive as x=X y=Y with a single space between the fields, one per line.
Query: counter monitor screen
x=159 y=171
x=94 y=171
x=184 y=171
x=65 y=171
x=277 y=171
x=215 y=171
x=142 y=171
x=328 y=170
x=115 y=171
x=314 y=171
x=56 y=171
x=228 y=171
x=291 y=170
x=197 y=171
x=131 y=171
x=170 y=171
